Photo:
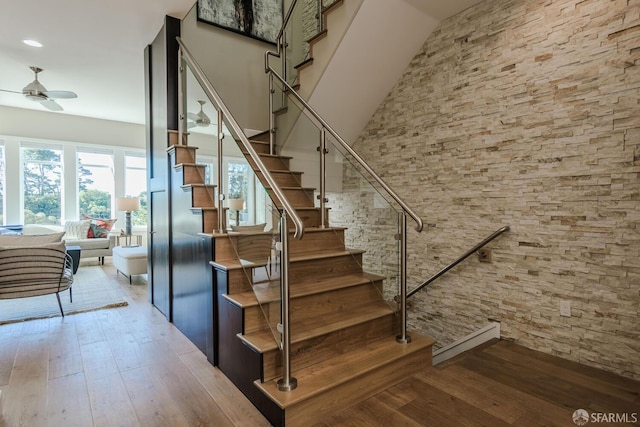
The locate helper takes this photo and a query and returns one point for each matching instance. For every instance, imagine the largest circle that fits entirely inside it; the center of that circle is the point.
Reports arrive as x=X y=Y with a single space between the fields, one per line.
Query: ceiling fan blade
x=51 y=105
x=191 y=125
x=60 y=94
x=10 y=91
x=192 y=116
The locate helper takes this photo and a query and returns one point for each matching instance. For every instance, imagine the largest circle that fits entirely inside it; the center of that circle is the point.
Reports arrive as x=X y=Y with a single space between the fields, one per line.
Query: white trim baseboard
x=472 y=340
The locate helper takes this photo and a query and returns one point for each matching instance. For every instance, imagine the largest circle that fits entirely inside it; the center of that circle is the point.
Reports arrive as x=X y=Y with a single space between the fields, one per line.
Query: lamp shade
x=128 y=204
x=236 y=204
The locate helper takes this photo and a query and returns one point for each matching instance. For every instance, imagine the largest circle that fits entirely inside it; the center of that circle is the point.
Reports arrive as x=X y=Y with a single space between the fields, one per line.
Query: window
x=240 y=186
x=42 y=180
x=135 y=183
x=95 y=184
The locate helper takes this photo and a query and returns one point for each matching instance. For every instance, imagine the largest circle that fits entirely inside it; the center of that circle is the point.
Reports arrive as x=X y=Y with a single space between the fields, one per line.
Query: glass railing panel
x=250 y=216
x=369 y=240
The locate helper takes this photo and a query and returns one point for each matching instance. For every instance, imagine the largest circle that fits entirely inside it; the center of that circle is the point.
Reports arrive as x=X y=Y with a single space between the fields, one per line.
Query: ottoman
x=130 y=260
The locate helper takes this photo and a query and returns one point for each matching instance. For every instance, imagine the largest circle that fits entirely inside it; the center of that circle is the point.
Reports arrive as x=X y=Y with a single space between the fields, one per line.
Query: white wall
x=50 y=126
x=235 y=66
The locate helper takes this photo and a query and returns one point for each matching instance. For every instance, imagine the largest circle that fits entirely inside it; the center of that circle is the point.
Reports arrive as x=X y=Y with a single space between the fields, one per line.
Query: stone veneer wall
x=523 y=113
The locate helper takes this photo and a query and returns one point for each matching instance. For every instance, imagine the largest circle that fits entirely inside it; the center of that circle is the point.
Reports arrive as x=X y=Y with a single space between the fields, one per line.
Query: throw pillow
x=76 y=229
x=99 y=228
x=32 y=240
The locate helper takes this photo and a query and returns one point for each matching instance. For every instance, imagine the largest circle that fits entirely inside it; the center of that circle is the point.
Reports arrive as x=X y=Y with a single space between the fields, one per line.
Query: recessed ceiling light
x=32 y=43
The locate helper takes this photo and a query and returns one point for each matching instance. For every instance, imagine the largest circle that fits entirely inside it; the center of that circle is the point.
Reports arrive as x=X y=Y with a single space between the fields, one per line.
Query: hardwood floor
x=119 y=367
x=498 y=384
x=130 y=367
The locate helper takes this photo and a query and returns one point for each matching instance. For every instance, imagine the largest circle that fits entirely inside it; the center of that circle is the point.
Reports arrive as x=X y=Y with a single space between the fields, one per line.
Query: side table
x=128 y=240
x=74 y=253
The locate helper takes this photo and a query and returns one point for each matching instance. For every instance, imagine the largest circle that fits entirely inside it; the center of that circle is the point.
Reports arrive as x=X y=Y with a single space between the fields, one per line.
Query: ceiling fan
x=35 y=91
x=199 y=119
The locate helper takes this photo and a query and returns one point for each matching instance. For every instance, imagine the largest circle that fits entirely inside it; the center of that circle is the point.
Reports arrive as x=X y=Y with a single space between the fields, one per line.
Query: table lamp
x=236 y=205
x=128 y=204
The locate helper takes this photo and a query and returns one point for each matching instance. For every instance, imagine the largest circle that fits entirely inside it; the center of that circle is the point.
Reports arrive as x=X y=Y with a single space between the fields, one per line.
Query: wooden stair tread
x=205 y=208
x=318 y=36
x=270 y=293
x=276 y=156
x=185 y=186
x=322 y=377
x=329 y=253
x=263 y=341
x=181 y=146
x=304 y=63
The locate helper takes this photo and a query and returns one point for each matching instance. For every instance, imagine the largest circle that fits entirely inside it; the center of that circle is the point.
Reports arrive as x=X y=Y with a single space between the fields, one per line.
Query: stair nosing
x=316 y=387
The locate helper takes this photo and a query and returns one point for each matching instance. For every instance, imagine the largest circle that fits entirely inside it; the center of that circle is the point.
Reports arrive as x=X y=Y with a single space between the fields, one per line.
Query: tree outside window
x=42 y=172
x=95 y=184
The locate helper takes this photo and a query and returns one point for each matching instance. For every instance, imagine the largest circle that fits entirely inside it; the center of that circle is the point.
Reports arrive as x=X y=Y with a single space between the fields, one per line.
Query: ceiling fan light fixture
x=33 y=43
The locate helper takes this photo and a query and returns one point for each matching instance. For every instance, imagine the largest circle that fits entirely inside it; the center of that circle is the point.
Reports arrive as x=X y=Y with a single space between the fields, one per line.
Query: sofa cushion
x=32 y=240
x=76 y=229
x=87 y=244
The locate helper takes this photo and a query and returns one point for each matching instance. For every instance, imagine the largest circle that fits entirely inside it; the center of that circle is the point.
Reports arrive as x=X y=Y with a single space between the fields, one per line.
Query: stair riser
x=297 y=197
x=311 y=218
x=285 y=179
x=357 y=390
x=312 y=351
x=209 y=220
x=192 y=174
x=272 y=163
x=175 y=140
x=202 y=197
x=311 y=308
x=238 y=282
x=260 y=148
x=323 y=268
x=329 y=239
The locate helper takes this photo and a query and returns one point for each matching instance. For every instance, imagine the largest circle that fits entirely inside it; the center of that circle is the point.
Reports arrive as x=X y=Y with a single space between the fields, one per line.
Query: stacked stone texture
x=527 y=114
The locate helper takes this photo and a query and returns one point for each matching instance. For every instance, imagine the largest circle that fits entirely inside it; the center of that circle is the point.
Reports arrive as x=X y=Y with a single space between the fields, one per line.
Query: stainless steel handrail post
x=403 y=338
x=272 y=119
x=287 y=382
x=221 y=197
x=181 y=97
x=323 y=177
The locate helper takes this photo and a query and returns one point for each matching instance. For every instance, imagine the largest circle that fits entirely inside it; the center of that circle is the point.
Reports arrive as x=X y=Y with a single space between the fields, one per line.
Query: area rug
x=92 y=290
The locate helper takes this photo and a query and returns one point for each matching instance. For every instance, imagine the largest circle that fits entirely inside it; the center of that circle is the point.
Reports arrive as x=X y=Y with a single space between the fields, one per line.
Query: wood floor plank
x=594 y=379
x=494 y=397
x=65 y=357
x=98 y=360
x=8 y=350
x=434 y=403
x=195 y=403
x=543 y=384
x=110 y=402
x=25 y=399
x=68 y=402
x=237 y=407
x=151 y=400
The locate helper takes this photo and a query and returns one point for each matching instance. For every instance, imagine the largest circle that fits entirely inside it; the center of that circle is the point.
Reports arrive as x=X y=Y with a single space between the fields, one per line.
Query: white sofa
x=99 y=247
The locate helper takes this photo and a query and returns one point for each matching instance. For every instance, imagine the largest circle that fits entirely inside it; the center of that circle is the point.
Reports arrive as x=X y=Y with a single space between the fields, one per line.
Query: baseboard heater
x=472 y=340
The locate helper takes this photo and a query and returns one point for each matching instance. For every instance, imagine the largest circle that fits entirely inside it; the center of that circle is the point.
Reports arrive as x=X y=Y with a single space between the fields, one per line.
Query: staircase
x=343 y=346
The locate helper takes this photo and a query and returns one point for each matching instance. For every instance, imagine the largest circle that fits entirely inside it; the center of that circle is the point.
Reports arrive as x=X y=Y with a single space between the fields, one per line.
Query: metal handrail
x=346 y=147
x=460 y=259
x=215 y=99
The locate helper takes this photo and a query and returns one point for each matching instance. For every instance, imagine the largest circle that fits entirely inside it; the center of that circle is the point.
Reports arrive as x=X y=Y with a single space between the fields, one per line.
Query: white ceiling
x=93 y=48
